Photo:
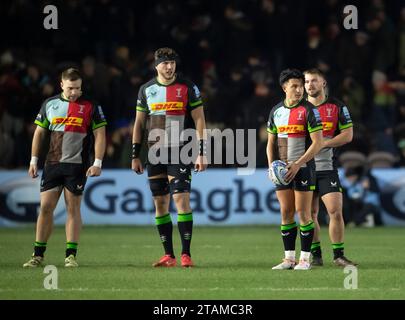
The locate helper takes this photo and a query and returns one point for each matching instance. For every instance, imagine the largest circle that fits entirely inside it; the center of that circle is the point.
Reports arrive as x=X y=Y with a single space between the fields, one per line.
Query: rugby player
x=76 y=127
x=337 y=131
x=295 y=136
x=165 y=101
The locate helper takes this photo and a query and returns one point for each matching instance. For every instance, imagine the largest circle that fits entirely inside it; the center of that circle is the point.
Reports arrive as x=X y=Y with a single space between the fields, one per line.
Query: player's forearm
x=137 y=133
x=341 y=139
x=270 y=157
x=99 y=143
x=38 y=138
x=199 y=121
x=270 y=149
x=200 y=127
x=138 y=127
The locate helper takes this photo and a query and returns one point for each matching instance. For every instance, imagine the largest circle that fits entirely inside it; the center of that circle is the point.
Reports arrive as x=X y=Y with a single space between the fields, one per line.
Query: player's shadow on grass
x=383 y=265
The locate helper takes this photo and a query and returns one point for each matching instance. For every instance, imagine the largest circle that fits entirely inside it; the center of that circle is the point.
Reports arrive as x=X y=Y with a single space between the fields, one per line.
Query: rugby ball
x=277 y=172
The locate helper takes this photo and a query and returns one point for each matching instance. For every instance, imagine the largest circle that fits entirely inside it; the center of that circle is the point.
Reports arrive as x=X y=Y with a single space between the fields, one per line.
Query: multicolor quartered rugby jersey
x=167 y=106
x=335 y=117
x=293 y=126
x=71 y=125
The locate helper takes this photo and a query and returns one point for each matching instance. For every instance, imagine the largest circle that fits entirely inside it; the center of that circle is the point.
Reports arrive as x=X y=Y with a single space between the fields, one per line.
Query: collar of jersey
x=293 y=106
x=64 y=99
x=326 y=99
x=165 y=85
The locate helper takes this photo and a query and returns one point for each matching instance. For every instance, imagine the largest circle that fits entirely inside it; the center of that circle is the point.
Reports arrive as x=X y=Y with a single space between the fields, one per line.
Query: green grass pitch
x=231 y=263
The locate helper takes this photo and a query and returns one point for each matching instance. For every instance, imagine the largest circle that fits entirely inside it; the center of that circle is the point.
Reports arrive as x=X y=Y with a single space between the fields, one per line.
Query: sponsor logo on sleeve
x=100 y=111
x=346 y=113
x=317 y=115
x=197 y=91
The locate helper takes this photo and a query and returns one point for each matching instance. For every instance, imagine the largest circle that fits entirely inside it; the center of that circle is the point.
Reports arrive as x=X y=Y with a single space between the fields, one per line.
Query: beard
x=315 y=94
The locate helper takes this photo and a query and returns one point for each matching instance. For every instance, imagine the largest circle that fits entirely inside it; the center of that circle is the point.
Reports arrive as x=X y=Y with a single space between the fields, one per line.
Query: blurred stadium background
x=234 y=51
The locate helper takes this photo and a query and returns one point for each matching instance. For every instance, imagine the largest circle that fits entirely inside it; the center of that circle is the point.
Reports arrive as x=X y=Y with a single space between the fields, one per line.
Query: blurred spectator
x=10 y=129
x=33 y=83
x=96 y=82
x=233 y=48
x=352 y=94
x=401 y=45
x=255 y=110
x=355 y=56
x=120 y=145
x=383 y=113
x=401 y=147
x=383 y=40
x=361 y=198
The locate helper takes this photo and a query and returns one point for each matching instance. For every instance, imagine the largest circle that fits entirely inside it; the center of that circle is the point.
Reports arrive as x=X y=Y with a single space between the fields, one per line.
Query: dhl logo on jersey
x=68 y=121
x=327 y=125
x=291 y=128
x=167 y=106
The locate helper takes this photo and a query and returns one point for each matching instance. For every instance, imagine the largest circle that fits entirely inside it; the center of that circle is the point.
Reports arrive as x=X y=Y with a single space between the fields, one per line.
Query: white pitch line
x=201 y=289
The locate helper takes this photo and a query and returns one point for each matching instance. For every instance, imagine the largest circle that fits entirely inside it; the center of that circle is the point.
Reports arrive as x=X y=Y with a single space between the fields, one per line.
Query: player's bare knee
x=335 y=214
x=161 y=203
x=314 y=215
x=304 y=217
x=73 y=211
x=287 y=216
x=47 y=209
x=182 y=201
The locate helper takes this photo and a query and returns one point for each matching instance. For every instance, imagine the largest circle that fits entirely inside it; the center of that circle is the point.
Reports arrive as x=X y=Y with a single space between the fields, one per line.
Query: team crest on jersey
x=81 y=108
x=300 y=113
x=178 y=93
x=329 y=112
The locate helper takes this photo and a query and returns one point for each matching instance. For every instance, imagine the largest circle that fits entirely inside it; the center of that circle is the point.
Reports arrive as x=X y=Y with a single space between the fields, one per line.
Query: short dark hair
x=71 y=74
x=165 y=54
x=288 y=74
x=314 y=71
